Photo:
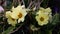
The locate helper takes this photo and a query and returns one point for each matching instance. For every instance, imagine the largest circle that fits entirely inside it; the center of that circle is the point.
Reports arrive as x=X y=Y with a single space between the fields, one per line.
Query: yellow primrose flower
x=42 y=19
x=43 y=16
x=10 y=20
x=19 y=13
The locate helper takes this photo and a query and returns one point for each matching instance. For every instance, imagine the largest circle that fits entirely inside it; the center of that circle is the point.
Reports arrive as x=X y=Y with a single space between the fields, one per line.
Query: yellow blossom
x=19 y=13
x=10 y=20
x=42 y=19
x=43 y=16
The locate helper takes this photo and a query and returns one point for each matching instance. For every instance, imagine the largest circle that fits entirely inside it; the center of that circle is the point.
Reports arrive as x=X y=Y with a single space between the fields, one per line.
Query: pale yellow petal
x=8 y=13
x=21 y=20
x=15 y=15
x=48 y=10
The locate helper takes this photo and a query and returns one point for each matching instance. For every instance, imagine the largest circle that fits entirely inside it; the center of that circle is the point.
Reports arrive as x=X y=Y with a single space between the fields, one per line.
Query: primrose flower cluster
x=16 y=15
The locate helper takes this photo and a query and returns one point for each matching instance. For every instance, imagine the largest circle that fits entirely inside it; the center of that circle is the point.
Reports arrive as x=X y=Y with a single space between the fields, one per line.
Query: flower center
x=13 y=19
x=41 y=19
x=20 y=15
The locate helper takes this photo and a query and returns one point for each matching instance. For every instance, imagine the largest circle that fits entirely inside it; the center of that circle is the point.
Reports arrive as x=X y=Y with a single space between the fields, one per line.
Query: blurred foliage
x=44 y=4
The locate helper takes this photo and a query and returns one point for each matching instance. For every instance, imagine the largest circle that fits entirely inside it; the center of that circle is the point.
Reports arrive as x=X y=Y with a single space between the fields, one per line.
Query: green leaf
x=9 y=30
x=55 y=19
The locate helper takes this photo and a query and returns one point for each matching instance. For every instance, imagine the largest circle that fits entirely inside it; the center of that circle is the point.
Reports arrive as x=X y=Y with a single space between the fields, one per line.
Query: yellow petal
x=48 y=10
x=8 y=13
x=21 y=20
